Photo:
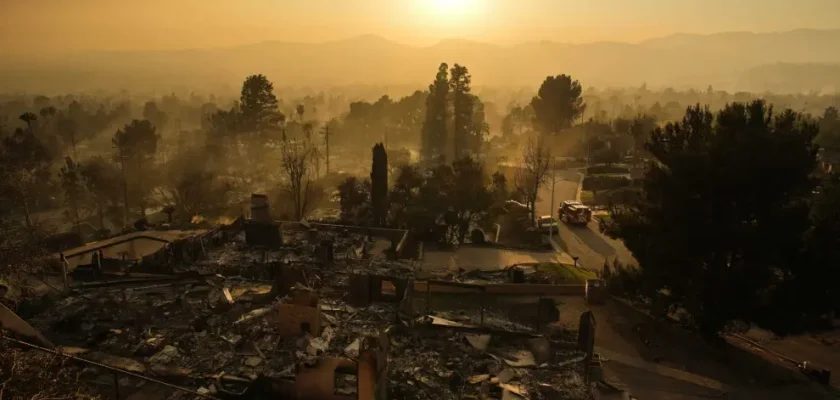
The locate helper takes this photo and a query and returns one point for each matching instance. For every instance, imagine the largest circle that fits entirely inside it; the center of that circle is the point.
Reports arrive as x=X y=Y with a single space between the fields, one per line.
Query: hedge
x=607 y=169
x=605 y=182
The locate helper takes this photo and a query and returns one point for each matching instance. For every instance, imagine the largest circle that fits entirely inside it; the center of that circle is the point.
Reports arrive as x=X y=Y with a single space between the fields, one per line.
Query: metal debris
x=228 y=334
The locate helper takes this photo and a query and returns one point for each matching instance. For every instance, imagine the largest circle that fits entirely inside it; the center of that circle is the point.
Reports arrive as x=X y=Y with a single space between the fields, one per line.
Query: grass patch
x=565 y=273
x=587 y=197
x=607 y=218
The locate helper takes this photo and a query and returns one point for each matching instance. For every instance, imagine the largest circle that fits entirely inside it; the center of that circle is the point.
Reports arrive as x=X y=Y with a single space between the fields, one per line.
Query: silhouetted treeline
x=40 y=132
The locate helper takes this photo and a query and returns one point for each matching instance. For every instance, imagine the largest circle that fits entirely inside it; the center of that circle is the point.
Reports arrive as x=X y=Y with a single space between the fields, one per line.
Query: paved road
x=653 y=365
x=821 y=350
x=587 y=242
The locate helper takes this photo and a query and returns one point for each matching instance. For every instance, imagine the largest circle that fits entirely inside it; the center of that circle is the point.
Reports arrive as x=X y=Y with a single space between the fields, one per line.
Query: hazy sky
x=56 y=25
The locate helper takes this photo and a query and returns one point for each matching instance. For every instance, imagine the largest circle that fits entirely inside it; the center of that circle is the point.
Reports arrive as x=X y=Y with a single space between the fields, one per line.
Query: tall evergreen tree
x=136 y=144
x=259 y=120
x=462 y=111
x=379 y=185
x=479 y=128
x=557 y=104
x=434 y=132
x=25 y=169
x=709 y=227
x=101 y=180
x=71 y=182
x=258 y=105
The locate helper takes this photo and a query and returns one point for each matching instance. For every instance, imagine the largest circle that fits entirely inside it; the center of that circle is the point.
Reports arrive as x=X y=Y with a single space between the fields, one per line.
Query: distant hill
x=733 y=61
x=791 y=78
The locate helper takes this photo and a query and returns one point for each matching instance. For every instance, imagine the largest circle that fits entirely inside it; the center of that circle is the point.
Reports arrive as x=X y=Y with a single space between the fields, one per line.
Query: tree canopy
x=258 y=104
x=354 y=198
x=434 y=134
x=558 y=104
x=137 y=140
x=723 y=213
x=445 y=203
x=829 y=136
x=395 y=122
x=462 y=110
x=815 y=286
x=136 y=143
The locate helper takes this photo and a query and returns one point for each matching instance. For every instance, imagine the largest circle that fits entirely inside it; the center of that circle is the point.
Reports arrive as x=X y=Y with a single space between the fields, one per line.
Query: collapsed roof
x=347 y=324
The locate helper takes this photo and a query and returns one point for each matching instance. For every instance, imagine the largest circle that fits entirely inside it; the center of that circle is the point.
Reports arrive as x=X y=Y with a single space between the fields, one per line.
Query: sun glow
x=451 y=9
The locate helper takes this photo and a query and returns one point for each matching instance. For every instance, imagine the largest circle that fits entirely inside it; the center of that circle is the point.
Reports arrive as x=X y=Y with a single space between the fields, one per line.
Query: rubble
x=443 y=364
x=352 y=349
x=300 y=315
x=253 y=361
x=10 y=321
x=295 y=320
x=168 y=355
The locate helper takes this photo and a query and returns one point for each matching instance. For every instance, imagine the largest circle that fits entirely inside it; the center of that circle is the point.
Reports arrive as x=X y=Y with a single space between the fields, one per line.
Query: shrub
x=623 y=281
x=627 y=195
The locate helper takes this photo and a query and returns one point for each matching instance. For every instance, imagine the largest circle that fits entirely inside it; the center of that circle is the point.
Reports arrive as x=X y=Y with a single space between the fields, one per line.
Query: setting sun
x=449 y=10
x=451 y=7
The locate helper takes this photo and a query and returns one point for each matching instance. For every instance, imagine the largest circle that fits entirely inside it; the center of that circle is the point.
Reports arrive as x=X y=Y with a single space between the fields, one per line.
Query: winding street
x=587 y=242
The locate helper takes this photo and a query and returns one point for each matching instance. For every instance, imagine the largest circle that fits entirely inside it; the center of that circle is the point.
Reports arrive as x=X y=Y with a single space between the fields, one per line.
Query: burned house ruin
x=224 y=315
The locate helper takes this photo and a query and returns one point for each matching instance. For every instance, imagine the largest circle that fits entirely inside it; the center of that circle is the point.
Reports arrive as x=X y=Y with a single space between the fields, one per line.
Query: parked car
x=516 y=207
x=547 y=223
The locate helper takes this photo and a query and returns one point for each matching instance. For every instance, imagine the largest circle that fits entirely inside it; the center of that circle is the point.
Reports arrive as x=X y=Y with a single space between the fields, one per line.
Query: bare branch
x=296 y=162
x=533 y=169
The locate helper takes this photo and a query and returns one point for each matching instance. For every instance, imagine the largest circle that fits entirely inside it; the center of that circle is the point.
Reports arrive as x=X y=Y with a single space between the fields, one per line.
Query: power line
x=112 y=369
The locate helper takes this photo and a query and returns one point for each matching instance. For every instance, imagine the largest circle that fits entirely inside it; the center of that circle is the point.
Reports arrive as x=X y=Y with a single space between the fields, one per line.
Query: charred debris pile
x=258 y=309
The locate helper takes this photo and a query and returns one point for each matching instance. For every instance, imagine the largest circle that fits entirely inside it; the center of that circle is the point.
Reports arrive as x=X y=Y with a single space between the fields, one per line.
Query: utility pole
x=125 y=187
x=327 y=143
x=586 y=141
x=551 y=211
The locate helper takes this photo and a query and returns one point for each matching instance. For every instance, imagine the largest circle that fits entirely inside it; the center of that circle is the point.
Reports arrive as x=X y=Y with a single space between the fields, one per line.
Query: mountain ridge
x=383 y=39
x=694 y=60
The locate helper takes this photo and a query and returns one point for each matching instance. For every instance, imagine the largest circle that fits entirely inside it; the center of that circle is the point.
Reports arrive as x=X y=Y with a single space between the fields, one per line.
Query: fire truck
x=574 y=213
